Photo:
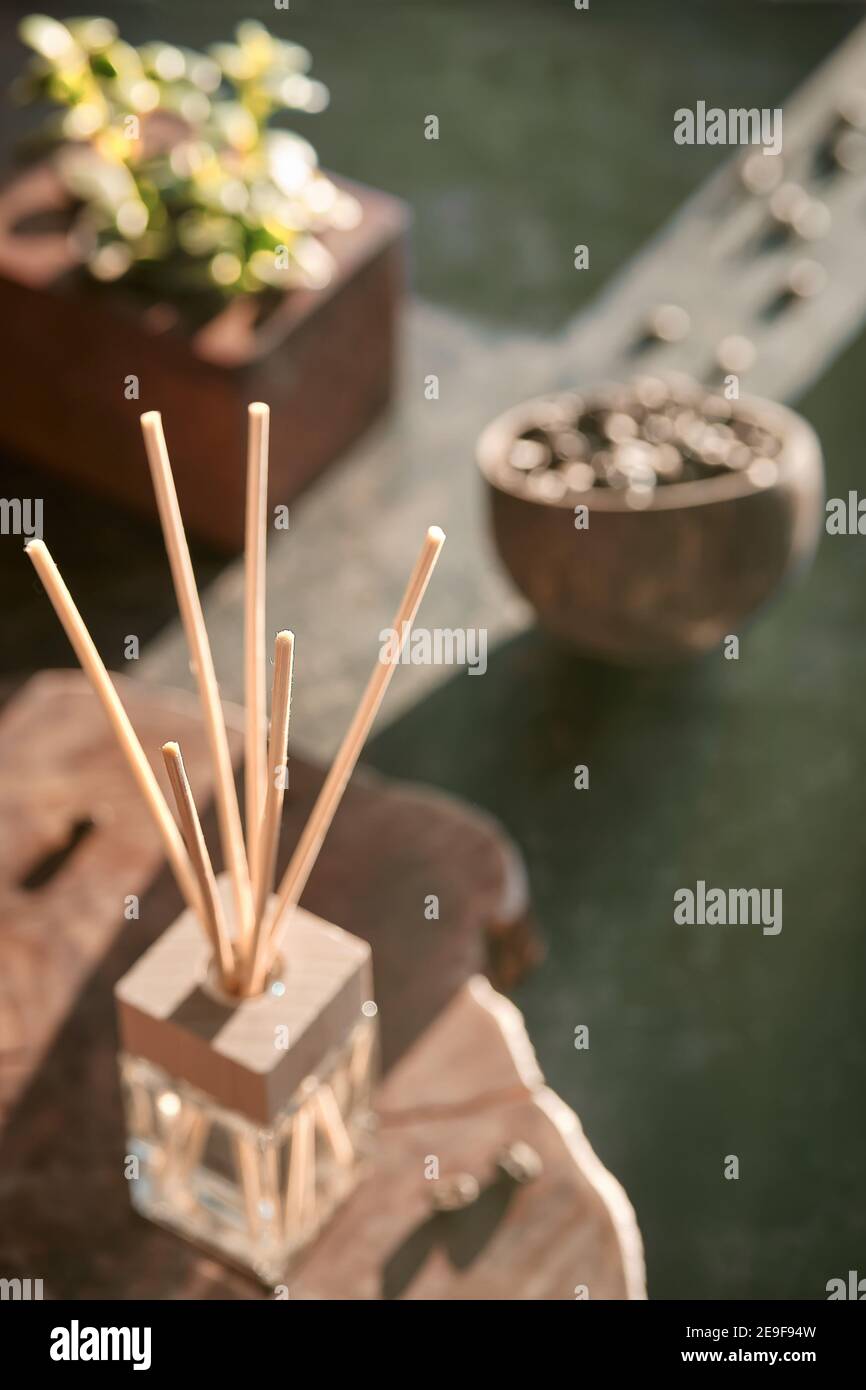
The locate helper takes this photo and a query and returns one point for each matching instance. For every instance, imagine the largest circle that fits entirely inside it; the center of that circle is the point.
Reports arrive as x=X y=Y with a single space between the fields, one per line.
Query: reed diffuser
x=248 y=1030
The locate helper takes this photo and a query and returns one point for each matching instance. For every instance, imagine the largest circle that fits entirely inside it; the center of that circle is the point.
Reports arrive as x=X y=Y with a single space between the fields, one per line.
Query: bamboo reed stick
x=284 y=647
x=247 y=1165
x=212 y=912
x=334 y=1126
x=231 y=833
x=197 y=1133
x=300 y=1179
x=255 y=693
x=306 y=852
x=93 y=667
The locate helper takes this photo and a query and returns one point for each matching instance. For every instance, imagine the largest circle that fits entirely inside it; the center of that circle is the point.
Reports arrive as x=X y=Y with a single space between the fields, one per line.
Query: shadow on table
x=461 y=1234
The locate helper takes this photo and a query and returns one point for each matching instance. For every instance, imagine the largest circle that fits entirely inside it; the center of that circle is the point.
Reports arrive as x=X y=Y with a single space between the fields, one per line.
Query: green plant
x=178 y=175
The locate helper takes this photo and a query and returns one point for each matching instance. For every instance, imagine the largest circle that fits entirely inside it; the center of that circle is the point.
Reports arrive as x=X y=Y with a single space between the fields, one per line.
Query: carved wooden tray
x=76 y=846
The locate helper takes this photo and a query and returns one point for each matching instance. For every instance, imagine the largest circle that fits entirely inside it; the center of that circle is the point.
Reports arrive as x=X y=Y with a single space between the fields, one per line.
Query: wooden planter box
x=321 y=359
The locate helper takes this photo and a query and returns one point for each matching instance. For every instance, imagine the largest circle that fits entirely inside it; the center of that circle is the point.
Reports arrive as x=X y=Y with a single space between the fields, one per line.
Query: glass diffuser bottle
x=248 y=1054
x=249 y=1118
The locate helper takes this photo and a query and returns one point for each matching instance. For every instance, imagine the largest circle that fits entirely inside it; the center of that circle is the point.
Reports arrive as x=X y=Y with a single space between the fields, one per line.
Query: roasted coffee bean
x=519 y=1162
x=716 y=444
x=571 y=444
x=761 y=441
x=527 y=454
x=631 y=466
x=813 y=221
x=740 y=456
x=579 y=476
x=618 y=427
x=760 y=172
x=454 y=1193
x=658 y=429
x=689 y=429
x=806 y=278
x=787 y=203
x=736 y=353
x=763 y=472
x=669 y=323
x=848 y=151
x=551 y=486
x=668 y=463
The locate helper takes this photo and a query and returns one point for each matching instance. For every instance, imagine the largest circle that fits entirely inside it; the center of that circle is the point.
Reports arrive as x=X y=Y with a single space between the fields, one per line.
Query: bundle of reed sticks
x=245 y=947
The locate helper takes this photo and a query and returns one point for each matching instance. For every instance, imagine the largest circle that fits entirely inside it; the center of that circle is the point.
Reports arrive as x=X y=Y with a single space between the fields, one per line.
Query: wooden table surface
x=461 y=1077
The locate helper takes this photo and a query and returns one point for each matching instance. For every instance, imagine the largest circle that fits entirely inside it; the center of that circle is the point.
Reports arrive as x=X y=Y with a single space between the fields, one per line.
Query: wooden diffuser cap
x=235 y=1051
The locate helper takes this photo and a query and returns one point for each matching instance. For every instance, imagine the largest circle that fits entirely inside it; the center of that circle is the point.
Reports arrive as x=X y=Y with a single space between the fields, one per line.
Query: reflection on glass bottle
x=255 y=1195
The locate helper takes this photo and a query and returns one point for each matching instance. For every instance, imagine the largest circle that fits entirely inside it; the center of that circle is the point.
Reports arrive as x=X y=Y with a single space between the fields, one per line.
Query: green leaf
x=102 y=66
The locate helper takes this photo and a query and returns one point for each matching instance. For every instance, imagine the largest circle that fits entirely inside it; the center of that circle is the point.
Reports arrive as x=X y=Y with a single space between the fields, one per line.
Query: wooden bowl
x=669 y=581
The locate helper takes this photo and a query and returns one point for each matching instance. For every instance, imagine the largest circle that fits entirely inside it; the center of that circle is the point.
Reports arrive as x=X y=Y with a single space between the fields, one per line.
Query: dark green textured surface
x=704 y=1041
x=555 y=128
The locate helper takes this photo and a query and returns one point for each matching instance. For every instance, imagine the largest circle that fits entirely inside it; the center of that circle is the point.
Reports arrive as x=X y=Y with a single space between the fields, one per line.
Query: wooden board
x=719 y=258
x=458 y=1091
x=470 y=1087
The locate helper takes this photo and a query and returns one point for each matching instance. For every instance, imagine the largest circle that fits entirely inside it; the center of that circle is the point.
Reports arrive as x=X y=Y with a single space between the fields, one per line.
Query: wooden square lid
x=249 y=1055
